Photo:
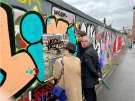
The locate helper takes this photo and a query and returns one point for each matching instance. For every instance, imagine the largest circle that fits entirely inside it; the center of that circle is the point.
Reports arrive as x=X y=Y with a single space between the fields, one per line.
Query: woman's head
x=71 y=47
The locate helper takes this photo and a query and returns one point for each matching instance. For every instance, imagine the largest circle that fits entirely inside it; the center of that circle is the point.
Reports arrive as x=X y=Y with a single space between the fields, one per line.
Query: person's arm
x=90 y=65
x=57 y=69
x=97 y=64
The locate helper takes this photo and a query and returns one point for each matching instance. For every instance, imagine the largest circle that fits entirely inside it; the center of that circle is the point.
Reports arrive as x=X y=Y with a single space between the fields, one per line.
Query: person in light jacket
x=71 y=78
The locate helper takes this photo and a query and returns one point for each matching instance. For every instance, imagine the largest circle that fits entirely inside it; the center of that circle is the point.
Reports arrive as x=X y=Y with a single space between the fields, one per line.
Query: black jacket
x=90 y=67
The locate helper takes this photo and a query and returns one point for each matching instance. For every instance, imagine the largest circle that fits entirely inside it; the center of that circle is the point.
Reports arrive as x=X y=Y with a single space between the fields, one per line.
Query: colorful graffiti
x=34 y=22
x=105 y=52
x=83 y=27
x=41 y=93
x=102 y=42
x=24 y=61
x=25 y=58
x=19 y=42
x=63 y=14
x=71 y=34
x=54 y=43
x=60 y=26
x=117 y=44
x=30 y=54
x=56 y=26
x=13 y=63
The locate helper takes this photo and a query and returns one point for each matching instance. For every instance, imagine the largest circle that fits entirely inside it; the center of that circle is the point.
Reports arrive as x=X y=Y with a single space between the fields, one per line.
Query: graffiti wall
x=63 y=14
x=31 y=41
x=13 y=64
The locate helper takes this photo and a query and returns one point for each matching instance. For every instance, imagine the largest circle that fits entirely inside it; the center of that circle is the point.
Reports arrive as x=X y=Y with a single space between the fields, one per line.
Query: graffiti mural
x=13 y=63
x=117 y=44
x=71 y=34
x=19 y=42
x=56 y=26
x=54 y=42
x=27 y=54
x=41 y=93
x=34 y=22
x=83 y=27
x=63 y=14
x=28 y=62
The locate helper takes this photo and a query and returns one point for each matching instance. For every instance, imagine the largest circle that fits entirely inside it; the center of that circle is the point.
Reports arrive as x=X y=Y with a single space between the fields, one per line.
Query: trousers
x=90 y=94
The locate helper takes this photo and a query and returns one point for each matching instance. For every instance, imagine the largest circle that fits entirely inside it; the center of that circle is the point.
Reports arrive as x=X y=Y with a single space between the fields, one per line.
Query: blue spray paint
x=32 y=30
x=2 y=76
x=71 y=35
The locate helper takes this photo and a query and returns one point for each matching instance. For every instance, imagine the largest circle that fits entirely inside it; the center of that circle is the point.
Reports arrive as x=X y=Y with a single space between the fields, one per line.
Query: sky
x=119 y=13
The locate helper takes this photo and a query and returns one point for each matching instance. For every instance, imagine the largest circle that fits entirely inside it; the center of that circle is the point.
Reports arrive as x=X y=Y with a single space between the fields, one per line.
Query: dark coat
x=90 y=67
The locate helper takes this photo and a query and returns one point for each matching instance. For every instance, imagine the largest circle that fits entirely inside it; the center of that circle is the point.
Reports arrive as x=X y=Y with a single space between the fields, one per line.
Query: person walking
x=90 y=69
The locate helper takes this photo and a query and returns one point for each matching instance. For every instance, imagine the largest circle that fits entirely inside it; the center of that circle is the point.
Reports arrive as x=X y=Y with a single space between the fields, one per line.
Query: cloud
x=117 y=12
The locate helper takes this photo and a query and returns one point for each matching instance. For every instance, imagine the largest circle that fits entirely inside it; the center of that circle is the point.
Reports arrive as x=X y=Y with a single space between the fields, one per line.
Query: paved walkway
x=122 y=81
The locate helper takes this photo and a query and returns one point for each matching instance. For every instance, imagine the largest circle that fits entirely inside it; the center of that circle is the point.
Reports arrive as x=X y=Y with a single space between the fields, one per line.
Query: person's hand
x=100 y=75
x=99 y=79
